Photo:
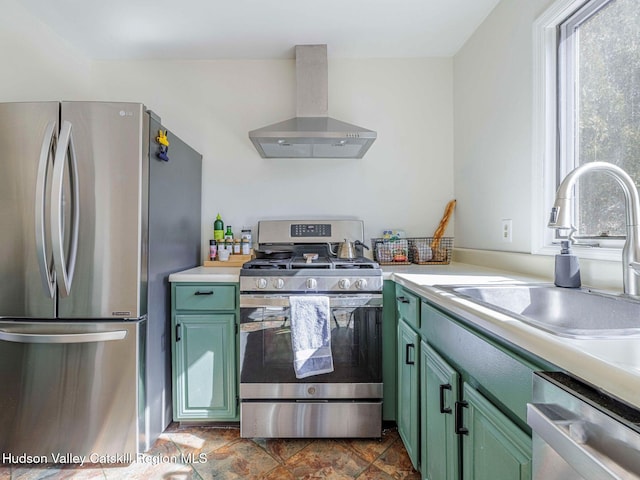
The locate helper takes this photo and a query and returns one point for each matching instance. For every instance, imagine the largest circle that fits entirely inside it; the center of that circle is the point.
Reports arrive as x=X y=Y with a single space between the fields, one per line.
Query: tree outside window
x=599 y=90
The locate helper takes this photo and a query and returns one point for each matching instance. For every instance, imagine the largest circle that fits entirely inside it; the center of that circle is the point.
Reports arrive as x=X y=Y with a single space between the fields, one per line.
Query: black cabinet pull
x=403 y=299
x=406 y=354
x=459 y=429
x=178 y=333
x=444 y=409
x=209 y=292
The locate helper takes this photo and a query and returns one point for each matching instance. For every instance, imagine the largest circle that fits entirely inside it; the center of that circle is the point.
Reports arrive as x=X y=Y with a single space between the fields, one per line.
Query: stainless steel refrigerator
x=95 y=214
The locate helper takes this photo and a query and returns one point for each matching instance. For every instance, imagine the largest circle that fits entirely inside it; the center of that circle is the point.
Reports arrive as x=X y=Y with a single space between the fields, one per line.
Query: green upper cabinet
x=408 y=390
x=204 y=346
x=494 y=447
x=440 y=450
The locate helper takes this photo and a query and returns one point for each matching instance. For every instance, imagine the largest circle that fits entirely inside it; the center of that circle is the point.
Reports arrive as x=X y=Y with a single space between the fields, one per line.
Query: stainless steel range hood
x=312 y=134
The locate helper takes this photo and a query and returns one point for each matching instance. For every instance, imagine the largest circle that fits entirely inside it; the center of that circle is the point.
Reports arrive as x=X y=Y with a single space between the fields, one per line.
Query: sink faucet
x=561 y=217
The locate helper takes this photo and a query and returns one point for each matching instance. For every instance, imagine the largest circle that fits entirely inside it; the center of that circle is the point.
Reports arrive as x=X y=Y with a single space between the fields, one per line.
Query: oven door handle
x=335 y=301
x=559 y=434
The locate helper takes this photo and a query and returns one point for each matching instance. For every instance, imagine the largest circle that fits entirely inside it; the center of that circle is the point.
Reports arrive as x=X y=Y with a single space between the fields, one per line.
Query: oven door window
x=266 y=355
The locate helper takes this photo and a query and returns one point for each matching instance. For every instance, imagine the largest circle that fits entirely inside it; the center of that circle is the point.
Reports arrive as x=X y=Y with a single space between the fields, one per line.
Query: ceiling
x=257 y=29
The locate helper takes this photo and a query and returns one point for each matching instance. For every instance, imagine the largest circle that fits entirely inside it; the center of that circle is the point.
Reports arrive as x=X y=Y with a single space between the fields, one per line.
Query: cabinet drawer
x=205 y=297
x=408 y=307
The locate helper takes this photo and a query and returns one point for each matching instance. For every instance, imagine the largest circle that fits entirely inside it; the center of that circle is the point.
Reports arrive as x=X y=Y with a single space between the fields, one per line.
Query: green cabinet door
x=440 y=451
x=204 y=367
x=494 y=448
x=408 y=390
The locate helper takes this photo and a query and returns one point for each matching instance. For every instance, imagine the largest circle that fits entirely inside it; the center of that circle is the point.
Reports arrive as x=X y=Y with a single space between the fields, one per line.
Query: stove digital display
x=310 y=230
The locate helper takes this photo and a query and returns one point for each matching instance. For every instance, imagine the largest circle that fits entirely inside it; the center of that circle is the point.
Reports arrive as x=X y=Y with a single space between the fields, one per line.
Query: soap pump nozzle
x=567 y=272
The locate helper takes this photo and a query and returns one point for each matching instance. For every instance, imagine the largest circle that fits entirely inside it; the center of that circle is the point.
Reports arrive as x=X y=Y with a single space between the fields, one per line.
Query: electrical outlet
x=507 y=230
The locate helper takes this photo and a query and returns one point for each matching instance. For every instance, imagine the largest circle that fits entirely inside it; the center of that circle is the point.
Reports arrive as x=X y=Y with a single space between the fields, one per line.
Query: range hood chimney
x=312 y=134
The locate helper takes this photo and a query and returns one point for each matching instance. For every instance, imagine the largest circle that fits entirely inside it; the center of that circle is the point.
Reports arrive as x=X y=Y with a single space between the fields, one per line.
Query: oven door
x=266 y=356
x=344 y=403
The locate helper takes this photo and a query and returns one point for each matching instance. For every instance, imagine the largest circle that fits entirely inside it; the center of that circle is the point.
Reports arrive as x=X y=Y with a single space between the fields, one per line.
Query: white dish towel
x=310 y=335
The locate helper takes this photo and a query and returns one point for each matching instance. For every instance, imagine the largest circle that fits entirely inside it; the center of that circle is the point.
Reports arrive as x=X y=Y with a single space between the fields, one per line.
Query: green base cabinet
x=408 y=364
x=494 y=448
x=462 y=395
x=408 y=390
x=204 y=352
x=473 y=398
x=440 y=445
x=466 y=432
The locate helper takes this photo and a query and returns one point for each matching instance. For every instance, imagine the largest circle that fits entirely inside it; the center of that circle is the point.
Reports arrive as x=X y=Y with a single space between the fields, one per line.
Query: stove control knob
x=278 y=283
x=311 y=283
x=361 y=284
x=261 y=283
x=344 y=283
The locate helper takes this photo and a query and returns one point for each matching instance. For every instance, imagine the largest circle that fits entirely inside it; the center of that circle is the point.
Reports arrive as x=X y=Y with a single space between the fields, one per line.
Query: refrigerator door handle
x=21 y=337
x=64 y=268
x=47 y=150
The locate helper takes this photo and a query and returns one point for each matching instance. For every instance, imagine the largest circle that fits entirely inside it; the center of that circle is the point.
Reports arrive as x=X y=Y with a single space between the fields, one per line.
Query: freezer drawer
x=72 y=388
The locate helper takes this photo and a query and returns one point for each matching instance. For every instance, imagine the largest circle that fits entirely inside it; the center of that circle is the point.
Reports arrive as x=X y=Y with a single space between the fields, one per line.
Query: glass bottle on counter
x=213 y=249
x=218 y=229
x=245 y=246
x=228 y=235
x=245 y=238
x=236 y=246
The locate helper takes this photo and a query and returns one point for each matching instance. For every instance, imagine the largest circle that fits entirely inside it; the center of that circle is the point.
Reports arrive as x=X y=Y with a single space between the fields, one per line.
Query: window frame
x=550 y=125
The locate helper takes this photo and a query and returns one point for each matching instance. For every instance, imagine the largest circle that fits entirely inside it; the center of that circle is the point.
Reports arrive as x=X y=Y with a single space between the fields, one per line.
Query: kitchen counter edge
x=207 y=275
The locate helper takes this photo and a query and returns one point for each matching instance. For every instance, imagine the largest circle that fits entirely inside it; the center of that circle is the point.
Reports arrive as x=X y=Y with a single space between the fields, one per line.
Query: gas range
x=297 y=257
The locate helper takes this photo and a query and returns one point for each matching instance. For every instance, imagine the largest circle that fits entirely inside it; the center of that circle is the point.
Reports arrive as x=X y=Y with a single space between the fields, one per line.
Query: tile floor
x=204 y=453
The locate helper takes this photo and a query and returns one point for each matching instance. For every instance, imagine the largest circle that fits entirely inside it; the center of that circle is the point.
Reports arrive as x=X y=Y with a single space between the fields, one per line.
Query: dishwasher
x=580 y=432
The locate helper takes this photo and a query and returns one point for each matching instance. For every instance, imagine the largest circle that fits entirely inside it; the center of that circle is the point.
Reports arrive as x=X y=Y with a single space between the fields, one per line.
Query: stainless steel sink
x=576 y=313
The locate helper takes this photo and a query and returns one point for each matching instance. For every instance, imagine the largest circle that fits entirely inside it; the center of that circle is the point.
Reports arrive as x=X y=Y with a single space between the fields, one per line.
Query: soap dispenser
x=567 y=267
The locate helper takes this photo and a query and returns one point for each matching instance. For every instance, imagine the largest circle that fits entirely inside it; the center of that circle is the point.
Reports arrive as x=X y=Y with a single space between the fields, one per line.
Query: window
x=589 y=105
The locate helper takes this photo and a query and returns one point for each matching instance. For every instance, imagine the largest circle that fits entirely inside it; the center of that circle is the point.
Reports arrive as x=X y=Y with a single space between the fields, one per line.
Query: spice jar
x=245 y=246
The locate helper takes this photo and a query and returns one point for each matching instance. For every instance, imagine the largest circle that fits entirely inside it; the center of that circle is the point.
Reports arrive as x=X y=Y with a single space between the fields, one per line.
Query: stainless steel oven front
x=344 y=403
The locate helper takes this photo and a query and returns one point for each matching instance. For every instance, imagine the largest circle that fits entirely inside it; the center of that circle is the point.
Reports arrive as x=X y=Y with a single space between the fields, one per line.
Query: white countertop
x=570 y=355
x=207 y=275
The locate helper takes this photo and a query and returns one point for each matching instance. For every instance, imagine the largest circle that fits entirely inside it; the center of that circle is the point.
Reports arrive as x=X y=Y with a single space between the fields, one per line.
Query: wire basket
x=419 y=250
x=391 y=252
x=426 y=251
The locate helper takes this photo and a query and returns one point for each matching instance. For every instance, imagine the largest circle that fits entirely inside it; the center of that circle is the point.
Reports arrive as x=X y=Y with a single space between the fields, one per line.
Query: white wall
x=36 y=63
x=404 y=181
x=493 y=98
x=493 y=132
